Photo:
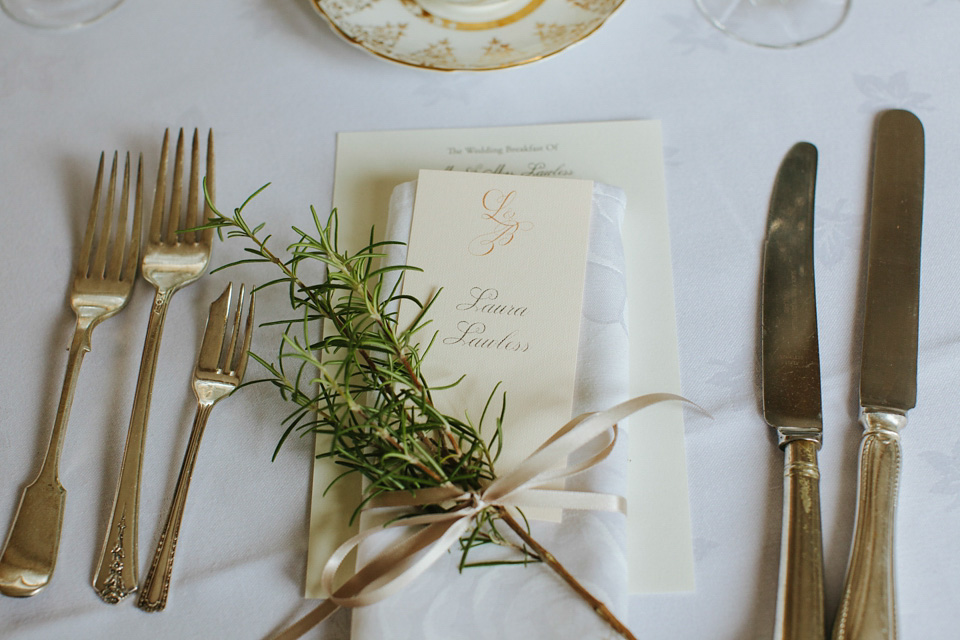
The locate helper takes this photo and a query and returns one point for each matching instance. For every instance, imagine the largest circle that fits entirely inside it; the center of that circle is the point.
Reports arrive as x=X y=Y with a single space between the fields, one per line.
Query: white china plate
x=446 y=38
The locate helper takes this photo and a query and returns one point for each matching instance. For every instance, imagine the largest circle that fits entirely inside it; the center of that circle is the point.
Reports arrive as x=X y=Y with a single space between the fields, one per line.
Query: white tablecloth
x=277 y=85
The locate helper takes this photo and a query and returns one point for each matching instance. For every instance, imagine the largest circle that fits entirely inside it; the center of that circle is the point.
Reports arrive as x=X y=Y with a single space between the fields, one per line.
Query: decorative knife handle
x=800 y=594
x=868 y=606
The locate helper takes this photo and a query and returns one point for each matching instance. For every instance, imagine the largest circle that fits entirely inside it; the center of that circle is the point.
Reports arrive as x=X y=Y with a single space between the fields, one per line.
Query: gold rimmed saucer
x=433 y=34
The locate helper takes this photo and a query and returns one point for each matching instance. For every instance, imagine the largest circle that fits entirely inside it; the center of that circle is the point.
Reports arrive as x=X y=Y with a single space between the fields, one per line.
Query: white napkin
x=513 y=601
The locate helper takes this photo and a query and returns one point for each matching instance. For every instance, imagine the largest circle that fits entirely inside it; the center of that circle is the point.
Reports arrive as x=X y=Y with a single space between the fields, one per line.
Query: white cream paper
x=627 y=154
x=509 y=254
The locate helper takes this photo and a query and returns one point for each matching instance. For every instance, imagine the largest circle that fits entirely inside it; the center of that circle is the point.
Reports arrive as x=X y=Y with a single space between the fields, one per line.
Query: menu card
x=508 y=255
x=627 y=154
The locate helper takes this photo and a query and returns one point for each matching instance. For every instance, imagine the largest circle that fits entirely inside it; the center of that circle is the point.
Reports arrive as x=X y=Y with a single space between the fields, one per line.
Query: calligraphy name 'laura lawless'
x=473 y=333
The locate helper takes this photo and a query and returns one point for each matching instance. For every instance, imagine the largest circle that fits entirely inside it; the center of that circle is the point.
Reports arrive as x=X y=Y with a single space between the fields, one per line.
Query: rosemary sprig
x=360 y=382
x=352 y=373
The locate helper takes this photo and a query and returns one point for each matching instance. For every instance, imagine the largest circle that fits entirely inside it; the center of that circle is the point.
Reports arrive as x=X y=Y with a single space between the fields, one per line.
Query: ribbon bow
x=398 y=565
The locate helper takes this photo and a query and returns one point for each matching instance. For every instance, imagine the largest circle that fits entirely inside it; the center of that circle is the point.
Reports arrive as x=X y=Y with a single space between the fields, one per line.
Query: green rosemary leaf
x=359 y=381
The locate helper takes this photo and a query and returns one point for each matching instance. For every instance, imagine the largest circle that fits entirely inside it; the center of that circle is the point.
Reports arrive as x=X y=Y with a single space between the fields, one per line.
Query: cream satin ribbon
x=398 y=565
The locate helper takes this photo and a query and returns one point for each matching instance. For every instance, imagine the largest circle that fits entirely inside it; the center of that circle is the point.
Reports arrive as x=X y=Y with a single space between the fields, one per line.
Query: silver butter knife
x=888 y=373
x=791 y=390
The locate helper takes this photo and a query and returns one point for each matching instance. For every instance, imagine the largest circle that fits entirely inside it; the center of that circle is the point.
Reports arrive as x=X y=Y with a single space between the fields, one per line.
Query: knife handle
x=800 y=594
x=868 y=605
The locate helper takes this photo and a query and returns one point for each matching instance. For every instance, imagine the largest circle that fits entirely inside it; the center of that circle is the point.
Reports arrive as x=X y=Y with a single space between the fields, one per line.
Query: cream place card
x=627 y=154
x=508 y=255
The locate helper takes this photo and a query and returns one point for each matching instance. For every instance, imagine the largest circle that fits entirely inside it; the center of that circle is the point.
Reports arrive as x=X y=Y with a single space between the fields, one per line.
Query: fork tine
x=212 y=342
x=100 y=256
x=239 y=365
x=226 y=359
x=206 y=237
x=156 y=222
x=133 y=253
x=176 y=197
x=193 y=198
x=83 y=263
x=112 y=271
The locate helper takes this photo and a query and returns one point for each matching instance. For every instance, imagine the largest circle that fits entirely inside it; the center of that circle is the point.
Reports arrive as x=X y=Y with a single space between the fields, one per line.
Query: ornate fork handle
x=153 y=595
x=220 y=366
x=116 y=575
x=170 y=262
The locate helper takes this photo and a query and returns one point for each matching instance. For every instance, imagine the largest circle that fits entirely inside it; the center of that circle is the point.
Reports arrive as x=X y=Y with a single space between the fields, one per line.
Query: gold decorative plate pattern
x=406 y=32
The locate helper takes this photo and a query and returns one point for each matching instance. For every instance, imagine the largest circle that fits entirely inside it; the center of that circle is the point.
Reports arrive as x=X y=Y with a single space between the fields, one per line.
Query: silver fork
x=219 y=370
x=101 y=287
x=169 y=263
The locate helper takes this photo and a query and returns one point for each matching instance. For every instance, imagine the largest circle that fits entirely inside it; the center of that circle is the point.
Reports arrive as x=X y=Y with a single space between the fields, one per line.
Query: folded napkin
x=532 y=603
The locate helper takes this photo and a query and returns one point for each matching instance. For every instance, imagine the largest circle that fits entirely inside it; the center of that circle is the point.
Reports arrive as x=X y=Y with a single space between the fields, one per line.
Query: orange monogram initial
x=499 y=210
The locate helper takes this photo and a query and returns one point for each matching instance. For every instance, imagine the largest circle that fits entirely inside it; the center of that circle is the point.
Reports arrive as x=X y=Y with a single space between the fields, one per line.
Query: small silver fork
x=101 y=287
x=170 y=262
x=219 y=370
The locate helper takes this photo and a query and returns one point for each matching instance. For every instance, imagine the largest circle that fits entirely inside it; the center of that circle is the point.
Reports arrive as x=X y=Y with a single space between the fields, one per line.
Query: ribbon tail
x=326 y=609
x=392 y=570
x=363 y=588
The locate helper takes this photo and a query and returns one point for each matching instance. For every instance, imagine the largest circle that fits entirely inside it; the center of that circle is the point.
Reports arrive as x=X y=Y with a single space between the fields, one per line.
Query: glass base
x=775 y=23
x=58 y=14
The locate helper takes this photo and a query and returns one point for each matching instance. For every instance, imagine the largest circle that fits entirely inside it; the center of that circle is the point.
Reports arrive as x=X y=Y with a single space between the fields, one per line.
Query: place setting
x=452 y=465
x=633 y=368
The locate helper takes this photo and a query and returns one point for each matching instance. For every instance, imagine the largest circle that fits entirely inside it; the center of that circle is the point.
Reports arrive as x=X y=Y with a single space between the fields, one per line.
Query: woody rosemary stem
x=547 y=557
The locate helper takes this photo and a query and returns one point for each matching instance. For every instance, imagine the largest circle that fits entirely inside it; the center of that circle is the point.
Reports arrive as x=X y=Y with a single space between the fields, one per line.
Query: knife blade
x=888 y=373
x=791 y=390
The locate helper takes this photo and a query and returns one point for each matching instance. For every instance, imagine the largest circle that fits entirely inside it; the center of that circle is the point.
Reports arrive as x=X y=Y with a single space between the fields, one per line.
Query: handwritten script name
x=473 y=333
x=481 y=301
